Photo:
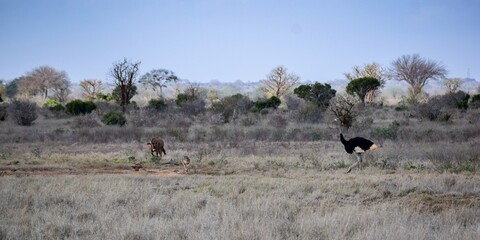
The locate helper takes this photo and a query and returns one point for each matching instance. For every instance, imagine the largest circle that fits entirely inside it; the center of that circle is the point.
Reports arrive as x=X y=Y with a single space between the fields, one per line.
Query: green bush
x=182 y=97
x=114 y=118
x=157 y=104
x=23 y=112
x=272 y=102
x=53 y=105
x=105 y=97
x=77 y=107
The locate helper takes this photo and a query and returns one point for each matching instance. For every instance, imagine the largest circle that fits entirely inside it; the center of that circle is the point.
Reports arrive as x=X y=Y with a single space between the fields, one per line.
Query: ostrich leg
x=359 y=161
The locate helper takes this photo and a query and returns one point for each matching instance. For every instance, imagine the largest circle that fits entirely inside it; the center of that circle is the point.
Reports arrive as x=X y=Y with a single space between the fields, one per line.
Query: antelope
x=156 y=145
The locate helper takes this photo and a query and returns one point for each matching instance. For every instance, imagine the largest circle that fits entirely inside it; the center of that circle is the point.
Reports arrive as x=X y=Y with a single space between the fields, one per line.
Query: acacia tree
x=157 y=79
x=91 y=87
x=362 y=86
x=317 y=93
x=373 y=70
x=42 y=79
x=416 y=71
x=125 y=73
x=278 y=82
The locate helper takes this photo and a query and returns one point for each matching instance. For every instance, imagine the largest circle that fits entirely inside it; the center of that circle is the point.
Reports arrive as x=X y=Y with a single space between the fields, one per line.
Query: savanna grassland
x=263 y=176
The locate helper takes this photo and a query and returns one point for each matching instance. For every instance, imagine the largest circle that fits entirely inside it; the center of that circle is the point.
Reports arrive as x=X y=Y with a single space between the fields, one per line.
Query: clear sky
x=229 y=40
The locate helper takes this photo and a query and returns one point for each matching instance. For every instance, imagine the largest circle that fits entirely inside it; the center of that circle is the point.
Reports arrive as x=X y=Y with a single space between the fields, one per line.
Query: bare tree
x=157 y=79
x=416 y=71
x=278 y=82
x=125 y=73
x=372 y=70
x=91 y=87
x=452 y=84
x=343 y=107
x=42 y=79
x=61 y=90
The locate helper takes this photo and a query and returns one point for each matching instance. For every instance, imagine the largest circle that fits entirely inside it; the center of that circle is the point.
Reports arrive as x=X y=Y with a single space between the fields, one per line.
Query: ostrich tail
x=373 y=147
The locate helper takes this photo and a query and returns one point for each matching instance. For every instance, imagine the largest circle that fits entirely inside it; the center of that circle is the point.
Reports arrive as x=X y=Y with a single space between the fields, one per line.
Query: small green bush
x=77 y=107
x=105 y=97
x=114 y=118
x=53 y=105
x=182 y=98
x=157 y=104
x=272 y=102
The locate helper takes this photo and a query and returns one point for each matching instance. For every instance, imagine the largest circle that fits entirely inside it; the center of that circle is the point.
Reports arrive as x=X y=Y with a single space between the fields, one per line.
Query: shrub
x=77 y=107
x=114 y=118
x=52 y=104
x=232 y=106
x=272 y=102
x=308 y=112
x=192 y=108
x=105 y=97
x=157 y=104
x=475 y=101
x=439 y=107
x=343 y=107
x=182 y=98
x=23 y=112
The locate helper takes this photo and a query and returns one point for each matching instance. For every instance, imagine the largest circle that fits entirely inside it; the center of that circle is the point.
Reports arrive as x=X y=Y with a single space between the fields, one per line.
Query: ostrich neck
x=342 y=139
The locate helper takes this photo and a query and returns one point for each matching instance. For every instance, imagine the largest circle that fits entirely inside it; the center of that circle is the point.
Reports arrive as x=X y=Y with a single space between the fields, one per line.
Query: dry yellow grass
x=58 y=182
x=309 y=206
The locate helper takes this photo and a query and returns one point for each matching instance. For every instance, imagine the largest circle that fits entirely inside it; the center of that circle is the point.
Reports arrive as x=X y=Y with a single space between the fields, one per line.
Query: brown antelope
x=186 y=163
x=156 y=145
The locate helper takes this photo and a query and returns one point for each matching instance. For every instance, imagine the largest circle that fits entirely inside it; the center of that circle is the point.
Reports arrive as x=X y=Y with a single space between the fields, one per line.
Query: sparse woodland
x=269 y=167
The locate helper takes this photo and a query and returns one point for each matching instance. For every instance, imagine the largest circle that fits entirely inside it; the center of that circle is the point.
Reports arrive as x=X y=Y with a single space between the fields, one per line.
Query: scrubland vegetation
x=267 y=168
x=269 y=175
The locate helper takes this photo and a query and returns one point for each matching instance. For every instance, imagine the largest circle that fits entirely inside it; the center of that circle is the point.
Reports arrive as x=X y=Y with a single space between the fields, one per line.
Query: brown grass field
x=61 y=181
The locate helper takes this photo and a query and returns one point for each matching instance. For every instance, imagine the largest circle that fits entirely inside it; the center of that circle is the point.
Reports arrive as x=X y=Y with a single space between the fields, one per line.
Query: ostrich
x=357 y=145
x=156 y=145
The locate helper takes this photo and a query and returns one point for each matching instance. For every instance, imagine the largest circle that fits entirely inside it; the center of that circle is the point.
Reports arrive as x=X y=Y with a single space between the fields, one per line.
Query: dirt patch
x=85 y=170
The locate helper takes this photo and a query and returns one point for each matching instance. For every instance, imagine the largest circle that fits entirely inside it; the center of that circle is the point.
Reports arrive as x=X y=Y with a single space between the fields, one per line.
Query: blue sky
x=229 y=40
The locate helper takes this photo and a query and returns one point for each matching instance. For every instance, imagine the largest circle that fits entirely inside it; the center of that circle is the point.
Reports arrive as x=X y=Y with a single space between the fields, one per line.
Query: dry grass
x=312 y=206
x=62 y=181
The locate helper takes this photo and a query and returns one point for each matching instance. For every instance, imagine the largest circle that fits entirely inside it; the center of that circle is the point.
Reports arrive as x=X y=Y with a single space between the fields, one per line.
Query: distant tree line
x=278 y=87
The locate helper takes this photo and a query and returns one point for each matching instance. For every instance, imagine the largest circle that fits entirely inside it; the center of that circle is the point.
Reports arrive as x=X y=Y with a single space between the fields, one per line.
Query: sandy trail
x=88 y=170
